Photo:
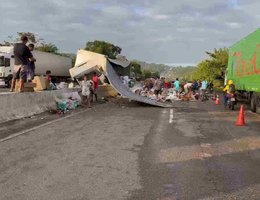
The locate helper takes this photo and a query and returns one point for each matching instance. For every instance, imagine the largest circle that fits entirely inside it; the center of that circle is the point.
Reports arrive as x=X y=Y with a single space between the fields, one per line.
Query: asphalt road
x=4 y=89
x=133 y=152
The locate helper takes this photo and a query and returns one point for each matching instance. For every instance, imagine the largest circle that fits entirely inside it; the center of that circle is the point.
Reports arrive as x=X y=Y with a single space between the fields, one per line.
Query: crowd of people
x=155 y=88
x=162 y=90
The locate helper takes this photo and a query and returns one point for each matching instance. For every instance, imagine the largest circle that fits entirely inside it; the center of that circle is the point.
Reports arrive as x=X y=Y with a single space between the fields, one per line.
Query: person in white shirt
x=87 y=86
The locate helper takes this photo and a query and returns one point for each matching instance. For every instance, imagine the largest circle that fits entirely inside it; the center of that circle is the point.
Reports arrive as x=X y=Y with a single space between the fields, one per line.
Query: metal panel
x=88 y=62
x=124 y=90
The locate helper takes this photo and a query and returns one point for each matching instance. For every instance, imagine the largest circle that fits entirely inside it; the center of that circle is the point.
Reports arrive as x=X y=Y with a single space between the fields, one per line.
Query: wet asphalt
x=123 y=150
x=202 y=154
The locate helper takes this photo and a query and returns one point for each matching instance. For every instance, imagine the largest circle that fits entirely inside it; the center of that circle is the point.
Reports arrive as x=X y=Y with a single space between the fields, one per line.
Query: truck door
x=5 y=66
x=2 y=66
x=8 y=70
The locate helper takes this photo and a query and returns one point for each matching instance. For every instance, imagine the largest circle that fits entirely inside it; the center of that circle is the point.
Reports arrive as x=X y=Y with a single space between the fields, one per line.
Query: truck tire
x=9 y=81
x=253 y=103
x=232 y=105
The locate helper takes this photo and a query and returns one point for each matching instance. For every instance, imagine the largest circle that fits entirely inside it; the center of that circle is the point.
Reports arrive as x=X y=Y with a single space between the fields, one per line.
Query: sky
x=159 y=31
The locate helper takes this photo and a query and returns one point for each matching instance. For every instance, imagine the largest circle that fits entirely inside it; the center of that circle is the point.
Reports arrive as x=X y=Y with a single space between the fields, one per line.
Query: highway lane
x=129 y=151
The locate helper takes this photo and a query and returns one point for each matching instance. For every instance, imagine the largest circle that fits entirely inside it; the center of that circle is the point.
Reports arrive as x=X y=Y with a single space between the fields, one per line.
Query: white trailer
x=58 y=65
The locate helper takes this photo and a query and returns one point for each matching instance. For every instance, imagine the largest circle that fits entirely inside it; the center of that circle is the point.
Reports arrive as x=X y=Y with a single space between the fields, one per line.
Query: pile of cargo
x=67 y=101
x=166 y=95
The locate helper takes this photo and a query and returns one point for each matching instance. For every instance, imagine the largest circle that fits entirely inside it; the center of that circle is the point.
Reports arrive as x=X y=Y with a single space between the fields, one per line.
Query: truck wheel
x=253 y=103
x=9 y=83
x=232 y=105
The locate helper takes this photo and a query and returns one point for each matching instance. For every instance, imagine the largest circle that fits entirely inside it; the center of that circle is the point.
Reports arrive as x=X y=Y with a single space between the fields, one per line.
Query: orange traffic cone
x=241 y=117
x=217 y=102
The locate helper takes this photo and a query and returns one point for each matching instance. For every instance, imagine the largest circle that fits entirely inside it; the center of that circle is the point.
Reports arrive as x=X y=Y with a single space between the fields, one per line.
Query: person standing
x=166 y=86
x=31 y=65
x=95 y=87
x=156 y=87
x=22 y=55
x=86 y=88
x=204 y=85
x=177 y=86
x=195 y=86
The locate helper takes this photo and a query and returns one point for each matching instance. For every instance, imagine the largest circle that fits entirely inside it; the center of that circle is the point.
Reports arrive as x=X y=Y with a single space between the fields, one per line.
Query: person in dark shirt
x=31 y=65
x=22 y=55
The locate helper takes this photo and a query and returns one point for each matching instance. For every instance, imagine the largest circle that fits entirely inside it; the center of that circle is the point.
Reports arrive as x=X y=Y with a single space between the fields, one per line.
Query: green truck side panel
x=244 y=63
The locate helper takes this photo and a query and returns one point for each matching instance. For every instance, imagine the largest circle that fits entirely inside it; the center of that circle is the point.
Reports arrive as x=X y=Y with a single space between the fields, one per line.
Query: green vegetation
x=168 y=72
x=213 y=69
x=153 y=67
x=104 y=48
x=136 y=70
x=47 y=47
x=184 y=73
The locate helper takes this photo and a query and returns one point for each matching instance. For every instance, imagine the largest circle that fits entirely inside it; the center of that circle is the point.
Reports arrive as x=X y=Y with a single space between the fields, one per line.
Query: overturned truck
x=88 y=62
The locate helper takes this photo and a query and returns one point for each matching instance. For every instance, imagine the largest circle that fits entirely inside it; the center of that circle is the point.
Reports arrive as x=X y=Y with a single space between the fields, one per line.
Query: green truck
x=244 y=69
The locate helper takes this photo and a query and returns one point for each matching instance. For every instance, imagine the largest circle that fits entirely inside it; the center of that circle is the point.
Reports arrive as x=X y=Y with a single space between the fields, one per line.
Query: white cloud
x=146 y=30
x=184 y=29
x=234 y=25
x=168 y=38
x=161 y=17
x=199 y=39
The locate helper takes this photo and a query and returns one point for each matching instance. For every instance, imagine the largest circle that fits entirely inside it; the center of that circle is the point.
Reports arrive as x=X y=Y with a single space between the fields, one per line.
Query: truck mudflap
x=125 y=91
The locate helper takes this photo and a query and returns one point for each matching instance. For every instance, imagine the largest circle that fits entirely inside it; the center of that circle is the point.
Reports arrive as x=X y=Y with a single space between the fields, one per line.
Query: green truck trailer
x=244 y=69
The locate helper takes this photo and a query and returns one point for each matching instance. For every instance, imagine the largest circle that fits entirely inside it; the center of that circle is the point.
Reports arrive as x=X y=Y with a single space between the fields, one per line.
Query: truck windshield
x=2 y=61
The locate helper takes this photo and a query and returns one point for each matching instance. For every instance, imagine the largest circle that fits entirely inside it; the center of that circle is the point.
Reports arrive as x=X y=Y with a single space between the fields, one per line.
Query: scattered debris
x=67 y=101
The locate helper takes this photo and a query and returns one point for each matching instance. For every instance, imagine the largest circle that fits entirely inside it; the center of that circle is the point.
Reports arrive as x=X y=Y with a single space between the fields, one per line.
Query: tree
x=156 y=74
x=104 y=48
x=40 y=44
x=136 y=69
x=147 y=74
x=213 y=68
x=32 y=37
x=47 y=47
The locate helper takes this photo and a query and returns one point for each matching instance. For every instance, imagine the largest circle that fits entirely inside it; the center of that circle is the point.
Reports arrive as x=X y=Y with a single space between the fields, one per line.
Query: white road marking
x=171 y=116
x=164 y=111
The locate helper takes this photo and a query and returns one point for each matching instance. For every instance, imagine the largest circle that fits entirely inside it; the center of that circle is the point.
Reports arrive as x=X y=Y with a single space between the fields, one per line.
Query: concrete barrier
x=19 y=105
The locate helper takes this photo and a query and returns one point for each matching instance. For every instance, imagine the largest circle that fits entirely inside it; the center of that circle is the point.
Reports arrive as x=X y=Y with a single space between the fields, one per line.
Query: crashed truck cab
x=88 y=62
